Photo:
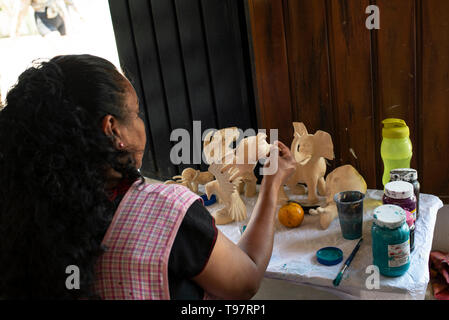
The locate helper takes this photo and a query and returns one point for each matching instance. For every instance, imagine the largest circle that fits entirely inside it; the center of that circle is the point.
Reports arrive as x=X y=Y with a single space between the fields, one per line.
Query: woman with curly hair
x=71 y=194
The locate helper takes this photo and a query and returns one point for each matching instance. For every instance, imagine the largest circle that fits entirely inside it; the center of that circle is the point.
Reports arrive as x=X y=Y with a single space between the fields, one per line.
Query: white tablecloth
x=294 y=252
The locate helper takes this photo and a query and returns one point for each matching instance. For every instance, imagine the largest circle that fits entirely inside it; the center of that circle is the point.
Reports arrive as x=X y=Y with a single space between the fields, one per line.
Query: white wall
x=441 y=233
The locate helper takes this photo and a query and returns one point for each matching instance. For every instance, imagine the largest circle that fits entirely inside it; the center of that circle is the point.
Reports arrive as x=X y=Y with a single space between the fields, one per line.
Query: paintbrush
x=348 y=261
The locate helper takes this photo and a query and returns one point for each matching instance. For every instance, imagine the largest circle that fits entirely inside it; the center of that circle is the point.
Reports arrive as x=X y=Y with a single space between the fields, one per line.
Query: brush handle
x=337 y=280
x=348 y=261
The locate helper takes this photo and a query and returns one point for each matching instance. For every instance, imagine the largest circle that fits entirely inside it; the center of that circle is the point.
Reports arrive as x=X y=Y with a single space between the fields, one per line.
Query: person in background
x=49 y=15
x=72 y=140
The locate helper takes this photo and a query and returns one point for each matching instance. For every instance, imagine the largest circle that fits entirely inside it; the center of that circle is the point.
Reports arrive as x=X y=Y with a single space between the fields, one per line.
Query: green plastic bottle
x=396 y=147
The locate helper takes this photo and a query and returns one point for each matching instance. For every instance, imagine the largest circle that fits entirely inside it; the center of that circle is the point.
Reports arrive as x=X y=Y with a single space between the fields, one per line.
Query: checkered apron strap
x=139 y=240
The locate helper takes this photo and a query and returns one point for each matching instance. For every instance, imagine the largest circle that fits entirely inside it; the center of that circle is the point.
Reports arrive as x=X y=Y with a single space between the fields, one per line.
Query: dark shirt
x=190 y=252
x=191 y=248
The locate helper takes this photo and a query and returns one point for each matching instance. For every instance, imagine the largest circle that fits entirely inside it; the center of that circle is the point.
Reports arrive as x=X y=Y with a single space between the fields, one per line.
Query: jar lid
x=389 y=216
x=399 y=190
x=329 y=256
x=395 y=129
x=404 y=174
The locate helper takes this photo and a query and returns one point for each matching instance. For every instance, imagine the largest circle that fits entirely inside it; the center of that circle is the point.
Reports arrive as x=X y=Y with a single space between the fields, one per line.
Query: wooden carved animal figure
x=217 y=148
x=191 y=178
x=344 y=178
x=225 y=188
x=217 y=145
x=310 y=151
x=249 y=151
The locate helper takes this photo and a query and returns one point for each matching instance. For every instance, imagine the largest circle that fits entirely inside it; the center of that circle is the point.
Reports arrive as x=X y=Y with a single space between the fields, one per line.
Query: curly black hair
x=54 y=157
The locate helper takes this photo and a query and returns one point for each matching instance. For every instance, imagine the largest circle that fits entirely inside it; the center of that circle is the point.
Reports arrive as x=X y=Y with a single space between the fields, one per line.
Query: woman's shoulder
x=170 y=192
x=165 y=190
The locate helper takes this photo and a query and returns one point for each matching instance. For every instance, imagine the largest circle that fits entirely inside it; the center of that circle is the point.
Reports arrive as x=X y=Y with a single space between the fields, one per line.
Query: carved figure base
x=222 y=217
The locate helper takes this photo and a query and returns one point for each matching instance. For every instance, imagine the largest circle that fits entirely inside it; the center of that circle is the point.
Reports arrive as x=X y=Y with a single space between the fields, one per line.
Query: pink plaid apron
x=139 y=240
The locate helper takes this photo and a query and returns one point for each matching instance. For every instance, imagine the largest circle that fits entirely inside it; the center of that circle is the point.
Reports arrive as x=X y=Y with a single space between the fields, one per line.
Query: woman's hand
x=286 y=165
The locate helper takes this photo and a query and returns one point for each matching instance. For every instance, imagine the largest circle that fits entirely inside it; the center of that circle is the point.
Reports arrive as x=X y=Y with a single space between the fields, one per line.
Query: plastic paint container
x=390 y=236
x=411 y=176
x=411 y=224
x=400 y=193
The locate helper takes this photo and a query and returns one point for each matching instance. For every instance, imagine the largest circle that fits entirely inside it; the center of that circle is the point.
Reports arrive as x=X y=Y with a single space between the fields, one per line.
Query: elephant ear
x=217 y=144
x=323 y=145
x=208 y=137
x=230 y=134
x=300 y=128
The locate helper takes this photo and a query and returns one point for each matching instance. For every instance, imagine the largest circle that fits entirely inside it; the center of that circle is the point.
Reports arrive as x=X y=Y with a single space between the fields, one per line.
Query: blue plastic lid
x=329 y=256
x=208 y=202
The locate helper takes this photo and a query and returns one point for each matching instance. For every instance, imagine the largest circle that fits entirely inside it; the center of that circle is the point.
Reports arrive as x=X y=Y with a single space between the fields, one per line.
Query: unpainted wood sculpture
x=217 y=148
x=344 y=178
x=233 y=170
x=191 y=178
x=249 y=151
x=226 y=189
x=309 y=151
x=217 y=145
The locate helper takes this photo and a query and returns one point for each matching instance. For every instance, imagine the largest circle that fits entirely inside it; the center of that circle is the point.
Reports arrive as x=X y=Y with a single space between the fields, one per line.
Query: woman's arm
x=235 y=271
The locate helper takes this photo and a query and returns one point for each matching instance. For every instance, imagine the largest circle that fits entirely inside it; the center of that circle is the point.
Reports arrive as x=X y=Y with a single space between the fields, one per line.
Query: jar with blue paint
x=390 y=235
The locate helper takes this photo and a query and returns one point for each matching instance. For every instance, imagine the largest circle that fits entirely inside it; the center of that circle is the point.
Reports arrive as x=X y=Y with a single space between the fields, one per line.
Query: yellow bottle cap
x=395 y=129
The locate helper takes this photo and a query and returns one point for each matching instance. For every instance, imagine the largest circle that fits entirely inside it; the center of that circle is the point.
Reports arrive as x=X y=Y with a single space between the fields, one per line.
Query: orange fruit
x=291 y=215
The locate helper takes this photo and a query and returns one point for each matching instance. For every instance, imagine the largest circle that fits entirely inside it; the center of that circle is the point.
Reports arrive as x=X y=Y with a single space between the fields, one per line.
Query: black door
x=188 y=61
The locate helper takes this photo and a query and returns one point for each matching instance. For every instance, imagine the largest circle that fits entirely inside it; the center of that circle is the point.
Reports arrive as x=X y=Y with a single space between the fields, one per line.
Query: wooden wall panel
x=308 y=63
x=394 y=71
x=313 y=61
x=434 y=111
x=400 y=70
x=350 y=61
x=271 y=67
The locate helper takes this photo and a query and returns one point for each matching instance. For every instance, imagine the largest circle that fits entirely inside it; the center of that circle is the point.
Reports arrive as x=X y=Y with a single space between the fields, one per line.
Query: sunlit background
x=89 y=30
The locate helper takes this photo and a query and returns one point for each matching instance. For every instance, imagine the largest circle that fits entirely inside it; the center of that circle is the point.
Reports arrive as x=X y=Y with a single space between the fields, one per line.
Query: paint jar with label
x=411 y=225
x=400 y=193
x=411 y=176
x=390 y=235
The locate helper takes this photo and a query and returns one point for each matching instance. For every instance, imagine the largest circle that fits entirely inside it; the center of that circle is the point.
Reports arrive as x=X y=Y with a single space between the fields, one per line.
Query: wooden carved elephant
x=309 y=151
